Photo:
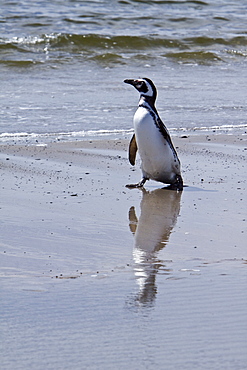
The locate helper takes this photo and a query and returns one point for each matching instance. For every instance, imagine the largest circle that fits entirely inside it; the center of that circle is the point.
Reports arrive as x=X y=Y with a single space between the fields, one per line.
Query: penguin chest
x=158 y=160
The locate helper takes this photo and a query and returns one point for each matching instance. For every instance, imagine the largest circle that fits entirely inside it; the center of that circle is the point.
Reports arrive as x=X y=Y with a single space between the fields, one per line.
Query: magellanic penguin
x=159 y=160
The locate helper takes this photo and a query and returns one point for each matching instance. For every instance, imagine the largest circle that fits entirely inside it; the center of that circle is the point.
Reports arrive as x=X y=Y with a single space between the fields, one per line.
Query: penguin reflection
x=159 y=212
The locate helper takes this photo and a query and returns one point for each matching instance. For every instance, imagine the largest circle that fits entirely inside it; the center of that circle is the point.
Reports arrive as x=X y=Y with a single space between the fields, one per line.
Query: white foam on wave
x=57 y=136
x=87 y=134
x=221 y=128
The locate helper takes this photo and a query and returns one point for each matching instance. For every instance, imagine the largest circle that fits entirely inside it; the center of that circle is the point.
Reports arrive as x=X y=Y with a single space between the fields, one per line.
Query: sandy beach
x=94 y=274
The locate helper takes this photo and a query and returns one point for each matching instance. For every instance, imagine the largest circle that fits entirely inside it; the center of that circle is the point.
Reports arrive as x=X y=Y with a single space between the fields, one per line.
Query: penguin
x=159 y=159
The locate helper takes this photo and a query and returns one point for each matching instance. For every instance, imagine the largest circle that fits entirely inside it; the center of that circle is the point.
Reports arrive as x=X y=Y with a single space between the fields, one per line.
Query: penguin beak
x=131 y=82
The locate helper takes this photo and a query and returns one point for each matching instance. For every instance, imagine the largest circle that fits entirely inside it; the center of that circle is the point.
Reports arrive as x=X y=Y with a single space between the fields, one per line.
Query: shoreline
x=27 y=138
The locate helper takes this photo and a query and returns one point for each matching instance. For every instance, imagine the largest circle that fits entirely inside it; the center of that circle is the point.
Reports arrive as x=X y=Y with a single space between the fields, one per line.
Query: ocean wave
x=103 y=49
x=124 y=42
x=155 y=2
x=88 y=41
x=200 y=57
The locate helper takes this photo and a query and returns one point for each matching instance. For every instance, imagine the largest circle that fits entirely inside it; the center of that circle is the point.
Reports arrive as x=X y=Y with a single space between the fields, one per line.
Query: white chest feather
x=158 y=159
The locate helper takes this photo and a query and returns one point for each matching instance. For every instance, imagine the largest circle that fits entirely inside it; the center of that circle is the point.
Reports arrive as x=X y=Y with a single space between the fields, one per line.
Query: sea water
x=62 y=66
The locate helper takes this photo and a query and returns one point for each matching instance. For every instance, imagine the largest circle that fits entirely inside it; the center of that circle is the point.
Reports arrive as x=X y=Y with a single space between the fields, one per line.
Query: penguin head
x=145 y=87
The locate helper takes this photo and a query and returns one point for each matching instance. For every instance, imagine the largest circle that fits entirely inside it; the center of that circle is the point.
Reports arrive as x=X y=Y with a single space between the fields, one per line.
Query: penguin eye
x=142 y=87
x=139 y=85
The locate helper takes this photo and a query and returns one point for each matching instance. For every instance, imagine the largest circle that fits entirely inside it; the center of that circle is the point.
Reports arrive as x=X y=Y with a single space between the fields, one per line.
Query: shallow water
x=97 y=323
x=62 y=64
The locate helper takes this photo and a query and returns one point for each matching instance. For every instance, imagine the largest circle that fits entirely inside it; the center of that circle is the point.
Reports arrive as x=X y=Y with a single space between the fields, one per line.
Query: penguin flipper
x=132 y=150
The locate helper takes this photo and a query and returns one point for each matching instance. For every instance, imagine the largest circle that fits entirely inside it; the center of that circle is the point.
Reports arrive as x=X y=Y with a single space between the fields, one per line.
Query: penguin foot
x=138 y=185
x=133 y=186
x=177 y=185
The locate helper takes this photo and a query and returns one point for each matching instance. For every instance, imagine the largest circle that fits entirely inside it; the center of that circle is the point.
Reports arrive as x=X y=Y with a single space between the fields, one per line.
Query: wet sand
x=95 y=275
